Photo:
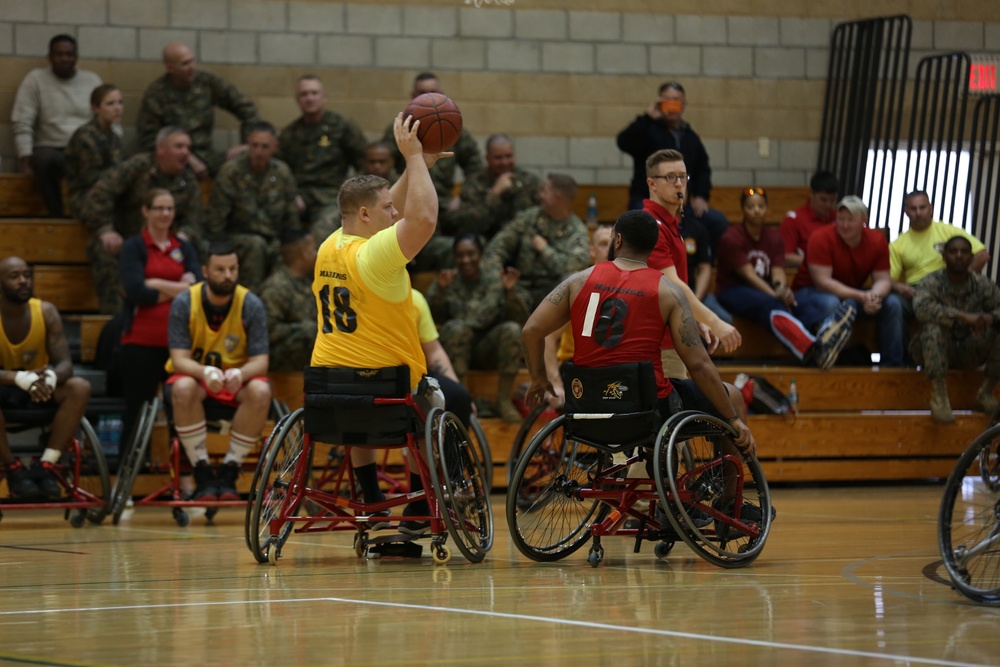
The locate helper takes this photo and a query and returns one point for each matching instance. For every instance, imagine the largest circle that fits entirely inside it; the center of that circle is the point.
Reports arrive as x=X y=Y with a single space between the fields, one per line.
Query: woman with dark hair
x=96 y=146
x=156 y=266
x=750 y=282
x=481 y=317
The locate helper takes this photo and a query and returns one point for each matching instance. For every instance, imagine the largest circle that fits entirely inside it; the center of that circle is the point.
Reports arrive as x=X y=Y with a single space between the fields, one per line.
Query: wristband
x=212 y=371
x=24 y=379
x=50 y=378
x=734 y=418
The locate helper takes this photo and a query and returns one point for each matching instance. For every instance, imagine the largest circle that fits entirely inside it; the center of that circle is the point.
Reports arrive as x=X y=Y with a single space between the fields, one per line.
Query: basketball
x=440 y=121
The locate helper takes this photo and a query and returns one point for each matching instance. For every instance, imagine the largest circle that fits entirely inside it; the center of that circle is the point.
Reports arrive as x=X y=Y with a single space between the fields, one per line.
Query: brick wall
x=563 y=76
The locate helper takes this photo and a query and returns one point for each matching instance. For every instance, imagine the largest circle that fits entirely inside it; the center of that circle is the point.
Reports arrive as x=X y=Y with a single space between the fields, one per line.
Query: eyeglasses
x=674 y=178
x=161 y=209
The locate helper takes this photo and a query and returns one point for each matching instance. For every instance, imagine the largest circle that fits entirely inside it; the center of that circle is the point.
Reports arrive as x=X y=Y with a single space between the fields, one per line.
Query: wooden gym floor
x=849 y=576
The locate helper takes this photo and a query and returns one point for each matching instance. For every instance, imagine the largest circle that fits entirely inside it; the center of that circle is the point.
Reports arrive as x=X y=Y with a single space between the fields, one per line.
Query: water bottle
x=793 y=397
x=103 y=435
x=115 y=425
x=592 y=211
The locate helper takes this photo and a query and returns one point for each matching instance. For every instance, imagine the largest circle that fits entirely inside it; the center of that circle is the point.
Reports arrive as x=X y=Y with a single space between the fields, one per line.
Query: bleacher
x=854 y=423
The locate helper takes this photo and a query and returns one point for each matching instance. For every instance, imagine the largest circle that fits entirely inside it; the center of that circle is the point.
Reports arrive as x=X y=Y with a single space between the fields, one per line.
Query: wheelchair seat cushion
x=340 y=406
x=614 y=407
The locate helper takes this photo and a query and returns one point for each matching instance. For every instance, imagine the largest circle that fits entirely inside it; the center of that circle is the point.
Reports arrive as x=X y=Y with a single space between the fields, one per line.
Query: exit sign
x=983 y=77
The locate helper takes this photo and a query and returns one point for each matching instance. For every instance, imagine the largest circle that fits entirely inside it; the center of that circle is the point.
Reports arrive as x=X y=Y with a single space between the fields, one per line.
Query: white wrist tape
x=211 y=372
x=24 y=379
x=50 y=378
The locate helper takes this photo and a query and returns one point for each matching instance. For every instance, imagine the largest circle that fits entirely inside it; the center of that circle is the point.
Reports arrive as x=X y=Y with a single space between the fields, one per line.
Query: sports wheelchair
x=969 y=520
x=569 y=486
x=81 y=471
x=367 y=408
x=171 y=495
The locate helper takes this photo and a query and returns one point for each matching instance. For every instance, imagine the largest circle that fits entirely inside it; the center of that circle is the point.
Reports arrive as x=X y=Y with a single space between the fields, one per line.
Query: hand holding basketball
x=440 y=121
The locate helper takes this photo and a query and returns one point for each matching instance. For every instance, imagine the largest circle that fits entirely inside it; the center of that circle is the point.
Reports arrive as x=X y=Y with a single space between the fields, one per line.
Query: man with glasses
x=663 y=127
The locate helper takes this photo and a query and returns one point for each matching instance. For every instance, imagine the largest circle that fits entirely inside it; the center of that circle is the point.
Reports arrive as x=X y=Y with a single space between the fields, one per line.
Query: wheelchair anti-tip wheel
x=969 y=521
x=274 y=488
x=129 y=466
x=457 y=477
x=547 y=519
x=716 y=499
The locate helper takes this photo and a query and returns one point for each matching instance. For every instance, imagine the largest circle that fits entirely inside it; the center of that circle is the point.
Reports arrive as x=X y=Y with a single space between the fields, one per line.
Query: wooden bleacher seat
x=45 y=241
x=19 y=199
x=70 y=287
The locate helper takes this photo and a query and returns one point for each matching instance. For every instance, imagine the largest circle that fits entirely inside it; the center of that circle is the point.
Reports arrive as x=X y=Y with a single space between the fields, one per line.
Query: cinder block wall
x=562 y=76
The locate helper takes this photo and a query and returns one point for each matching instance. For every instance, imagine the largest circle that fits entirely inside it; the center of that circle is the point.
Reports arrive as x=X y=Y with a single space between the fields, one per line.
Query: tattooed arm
x=438 y=361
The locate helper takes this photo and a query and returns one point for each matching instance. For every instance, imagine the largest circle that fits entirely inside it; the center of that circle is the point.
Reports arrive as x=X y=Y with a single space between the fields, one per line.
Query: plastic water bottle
x=592 y=211
x=115 y=425
x=793 y=397
x=103 y=433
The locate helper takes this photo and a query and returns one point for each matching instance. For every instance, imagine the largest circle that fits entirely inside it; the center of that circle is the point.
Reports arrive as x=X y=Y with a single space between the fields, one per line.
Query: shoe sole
x=834 y=336
x=414 y=531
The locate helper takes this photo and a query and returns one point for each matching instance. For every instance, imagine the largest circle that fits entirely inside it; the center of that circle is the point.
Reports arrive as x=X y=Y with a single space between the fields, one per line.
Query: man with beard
x=36 y=371
x=218 y=352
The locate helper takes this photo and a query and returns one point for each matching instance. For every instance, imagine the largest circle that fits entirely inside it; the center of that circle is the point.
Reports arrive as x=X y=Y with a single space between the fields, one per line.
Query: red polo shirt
x=851 y=266
x=800 y=224
x=149 y=326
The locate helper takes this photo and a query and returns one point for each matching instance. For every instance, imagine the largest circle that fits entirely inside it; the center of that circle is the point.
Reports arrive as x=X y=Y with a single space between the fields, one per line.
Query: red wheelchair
x=348 y=408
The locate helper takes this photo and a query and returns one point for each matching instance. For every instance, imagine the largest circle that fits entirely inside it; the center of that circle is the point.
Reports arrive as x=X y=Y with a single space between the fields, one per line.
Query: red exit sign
x=982 y=78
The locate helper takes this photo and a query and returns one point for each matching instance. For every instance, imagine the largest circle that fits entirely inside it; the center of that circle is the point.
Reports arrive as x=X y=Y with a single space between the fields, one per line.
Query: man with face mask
x=36 y=371
x=219 y=353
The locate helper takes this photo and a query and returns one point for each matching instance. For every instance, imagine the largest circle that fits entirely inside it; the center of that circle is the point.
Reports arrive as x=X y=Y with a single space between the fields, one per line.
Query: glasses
x=674 y=178
x=162 y=209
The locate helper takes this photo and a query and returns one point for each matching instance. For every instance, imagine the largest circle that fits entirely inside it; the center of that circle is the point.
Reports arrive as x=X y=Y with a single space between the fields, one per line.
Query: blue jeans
x=713 y=305
x=814 y=306
x=749 y=302
x=891 y=329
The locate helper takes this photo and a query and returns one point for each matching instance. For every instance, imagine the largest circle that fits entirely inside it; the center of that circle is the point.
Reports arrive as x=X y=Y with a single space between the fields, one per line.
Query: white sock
x=51 y=455
x=192 y=437
x=239 y=446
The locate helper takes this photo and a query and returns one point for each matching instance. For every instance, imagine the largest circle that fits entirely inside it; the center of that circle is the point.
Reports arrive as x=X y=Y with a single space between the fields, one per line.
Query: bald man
x=36 y=371
x=186 y=97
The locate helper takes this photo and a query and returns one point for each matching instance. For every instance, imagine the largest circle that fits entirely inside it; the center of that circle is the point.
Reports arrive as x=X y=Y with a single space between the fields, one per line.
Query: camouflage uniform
x=438 y=251
x=567 y=251
x=321 y=157
x=115 y=203
x=484 y=214
x=90 y=153
x=252 y=211
x=942 y=342
x=291 y=319
x=193 y=110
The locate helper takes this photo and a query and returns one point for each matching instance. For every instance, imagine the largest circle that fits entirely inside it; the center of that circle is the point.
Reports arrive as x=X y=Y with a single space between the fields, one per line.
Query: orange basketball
x=440 y=121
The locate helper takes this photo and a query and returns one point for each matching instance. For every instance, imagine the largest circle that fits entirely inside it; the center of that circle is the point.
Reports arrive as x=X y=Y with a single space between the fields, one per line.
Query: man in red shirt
x=624 y=308
x=839 y=261
x=816 y=213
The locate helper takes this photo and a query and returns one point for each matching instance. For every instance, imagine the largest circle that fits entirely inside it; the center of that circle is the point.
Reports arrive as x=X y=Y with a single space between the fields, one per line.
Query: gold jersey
x=225 y=348
x=31 y=353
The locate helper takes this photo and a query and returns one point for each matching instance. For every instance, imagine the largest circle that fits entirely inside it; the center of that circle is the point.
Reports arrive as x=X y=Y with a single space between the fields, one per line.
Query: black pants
x=142 y=372
x=49 y=165
x=456 y=398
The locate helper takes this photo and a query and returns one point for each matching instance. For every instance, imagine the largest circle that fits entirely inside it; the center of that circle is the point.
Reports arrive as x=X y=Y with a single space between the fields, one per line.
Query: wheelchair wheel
x=969 y=521
x=272 y=490
x=529 y=426
x=715 y=499
x=547 y=520
x=94 y=478
x=457 y=477
x=482 y=446
x=129 y=466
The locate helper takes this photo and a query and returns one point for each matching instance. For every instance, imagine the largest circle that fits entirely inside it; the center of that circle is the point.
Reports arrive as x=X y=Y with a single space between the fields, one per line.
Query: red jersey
x=800 y=224
x=616 y=319
x=851 y=266
x=670 y=248
x=737 y=249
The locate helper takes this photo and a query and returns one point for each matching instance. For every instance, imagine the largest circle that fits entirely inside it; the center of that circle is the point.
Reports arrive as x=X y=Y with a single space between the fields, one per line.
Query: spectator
x=663 y=126
x=545 y=242
x=700 y=261
x=320 y=147
x=291 y=307
x=218 y=352
x=466 y=155
x=751 y=283
x=253 y=204
x=456 y=397
x=917 y=252
x=379 y=161
x=95 y=147
x=817 y=212
x=113 y=209
x=51 y=103
x=958 y=309
x=840 y=260
x=156 y=266
x=186 y=97
x=36 y=371
x=493 y=197
x=482 y=313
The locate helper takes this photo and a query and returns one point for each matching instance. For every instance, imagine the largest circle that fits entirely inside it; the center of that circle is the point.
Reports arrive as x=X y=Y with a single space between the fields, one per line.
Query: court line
x=519 y=617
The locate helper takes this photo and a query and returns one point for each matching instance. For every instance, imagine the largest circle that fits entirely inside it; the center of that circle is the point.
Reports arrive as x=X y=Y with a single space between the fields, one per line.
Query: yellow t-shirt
x=915 y=254
x=365 y=311
x=224 y=348
x=30 y=353
x=426 y=328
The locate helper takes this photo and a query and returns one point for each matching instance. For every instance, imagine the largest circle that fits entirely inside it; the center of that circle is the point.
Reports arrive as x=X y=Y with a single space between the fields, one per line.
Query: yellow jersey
x=224 y=348
x=30 y=353
x=360 y=324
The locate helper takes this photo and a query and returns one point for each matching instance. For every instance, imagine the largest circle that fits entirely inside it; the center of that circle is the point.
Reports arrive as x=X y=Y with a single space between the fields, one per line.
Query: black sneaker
x=833 y=335
x=20 y=484
x=45 y=480
x=415 y=527
x=377 y=523
x=226 y=481
x=204 y=482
